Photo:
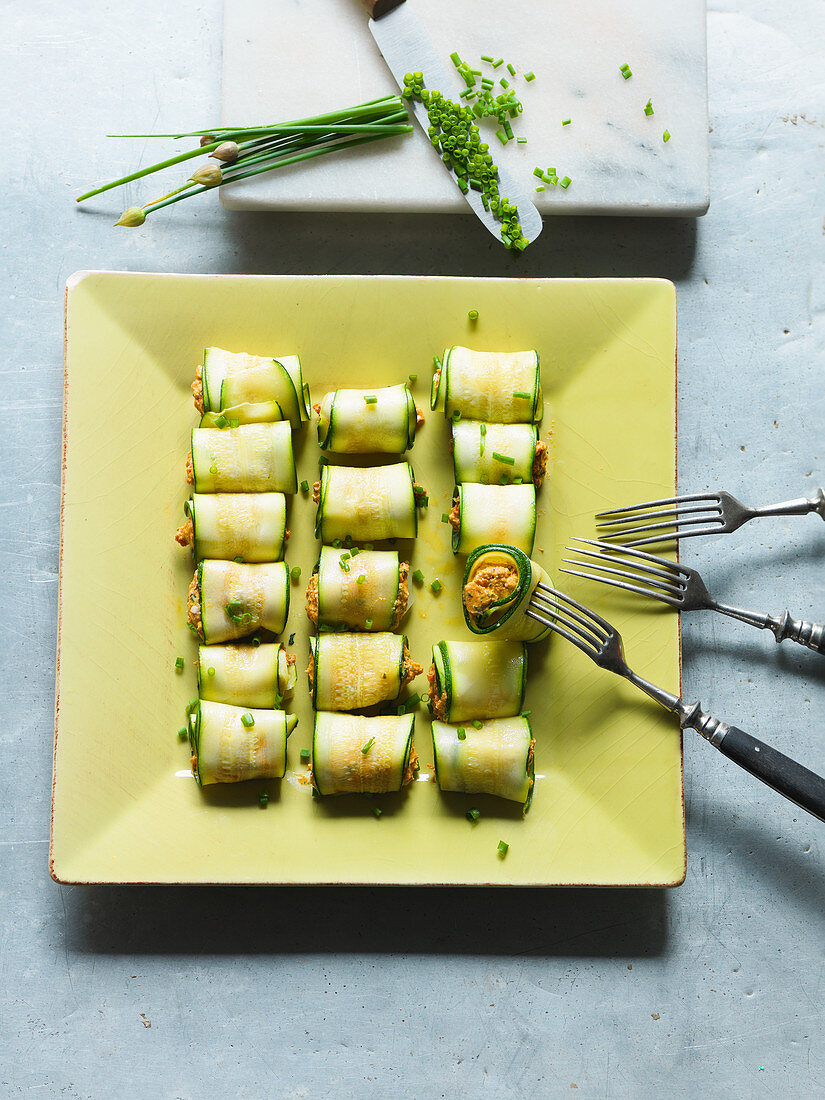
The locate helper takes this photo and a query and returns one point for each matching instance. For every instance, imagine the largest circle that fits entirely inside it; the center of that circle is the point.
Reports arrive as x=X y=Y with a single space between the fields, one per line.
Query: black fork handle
x=786 y=776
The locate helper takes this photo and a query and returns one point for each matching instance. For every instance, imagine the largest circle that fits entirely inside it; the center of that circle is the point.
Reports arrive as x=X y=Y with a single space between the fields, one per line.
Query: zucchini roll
x=361 y=590
x=354 y=671
x=366 y=505
x=496 y=759
x=256 y=384
x=493 y=513
x=246 y=675
x=381 y=421
x=502 y=387
x=254 y=458
x=249 y=526
x=498 y=454
x=229 y=599
x=472 y=680
x=352 y=754
x=498 y=584
x=231 y=744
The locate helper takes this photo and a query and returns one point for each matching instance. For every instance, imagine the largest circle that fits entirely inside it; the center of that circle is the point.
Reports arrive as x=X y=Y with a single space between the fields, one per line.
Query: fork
x=679 y=586
x=685 y=517
x=602 y=643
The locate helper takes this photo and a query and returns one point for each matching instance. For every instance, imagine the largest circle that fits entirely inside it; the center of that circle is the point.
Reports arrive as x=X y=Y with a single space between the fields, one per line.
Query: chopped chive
x=263 y=799
x=305 y=754
x=191 y=706
x=521 y=141
x=413 y=377
x=295 y=573
x=461 y=733
x=504 y=458
x=565 y=183
x=504 y=83
x=522 y=393
x=234 y=423
x=526 y=713
x=529 y=77
x=368 y=624
x=497 y=64
x=179 y=663
x=473 y=314
x=566 y=121
x=354 y=552
x=445 y=518
x=377 y=811
x=247 y=720
x=538 y=172
x=361 y=578
x=649 y=108
x=221 y=421
x=183 y=733
x=476 y=724
x=337 y=544
x=210 y=671
x=370 y=399
x=257 y=641
x=291 y=640
x=304 y=486
x=487 y=57
x=666 y=135
x=238 y=559
x=502 y=137
x=510 y=69
x=366 y=748
x=503 y=848
x=625 y=70
x=436 y=585
x=456 y=415
x=473 y=814
x=418 y=576
x=456 y=60
x=409 y=704
x=213 y=469
x=483 y=428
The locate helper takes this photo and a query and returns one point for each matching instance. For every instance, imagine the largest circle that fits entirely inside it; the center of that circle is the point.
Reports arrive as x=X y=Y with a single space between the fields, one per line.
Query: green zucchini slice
x=354 y=754
x=249 y=526
x=496 y=759
x=496 y=590
x=230 y=599
x=354 y=671
x=501 y=387
x=366 y=505
x=480 y=679
x=378 y=421
x=253 y=458
x=365 y=590
x=231 y=379
x=246 y=675
x=225 y=749
x=491 y=514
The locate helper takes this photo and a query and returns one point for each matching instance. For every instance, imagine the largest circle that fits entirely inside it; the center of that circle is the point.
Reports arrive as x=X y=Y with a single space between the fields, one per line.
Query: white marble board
x=285 y=59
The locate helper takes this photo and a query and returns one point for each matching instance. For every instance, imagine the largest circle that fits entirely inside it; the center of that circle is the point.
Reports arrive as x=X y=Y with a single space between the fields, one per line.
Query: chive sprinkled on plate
x=263 y=799
x=183 y=733
x=473 y=814
x=210 y=671
x=418 y=576
x=247 y=720
x=473 y=314
x=529 y=77
x=221 y=421
x=366 y=747
x=304 y=486
x=368 y=624
x=503 y=848
x=461 y=733
x=625 y=71
x=413 y=377
x=565 y=183
x=361 y=578
x=476 y=724
x=305 y=754
x=666 y=136
x=291 y=640
x=436 y=585
x=566 y=121
x=649 y=108
x=445 y=518
x=377 y=811
x=504 y=458
x=370 y=399
x=179 y=663
x=526 y=713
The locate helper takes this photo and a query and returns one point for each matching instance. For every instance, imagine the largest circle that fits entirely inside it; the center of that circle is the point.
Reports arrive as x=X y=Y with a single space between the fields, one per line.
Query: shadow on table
x=623 y=923
x=410 y=244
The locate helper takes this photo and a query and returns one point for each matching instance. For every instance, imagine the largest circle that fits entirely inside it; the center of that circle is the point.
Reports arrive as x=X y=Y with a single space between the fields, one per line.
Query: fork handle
x=808 y=634
x=788 y=778
x=799 y=507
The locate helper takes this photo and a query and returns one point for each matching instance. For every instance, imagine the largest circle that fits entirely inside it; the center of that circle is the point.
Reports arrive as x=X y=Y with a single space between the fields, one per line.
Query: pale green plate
x=608 y=805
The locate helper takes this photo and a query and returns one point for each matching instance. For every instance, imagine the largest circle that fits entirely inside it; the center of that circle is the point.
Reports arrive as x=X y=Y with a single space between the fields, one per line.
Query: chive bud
x=208 y=175
x=227 y=152
x=132 y=217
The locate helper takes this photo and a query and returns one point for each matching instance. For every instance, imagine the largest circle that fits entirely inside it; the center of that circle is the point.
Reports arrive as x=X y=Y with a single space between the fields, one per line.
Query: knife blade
x=406 y=48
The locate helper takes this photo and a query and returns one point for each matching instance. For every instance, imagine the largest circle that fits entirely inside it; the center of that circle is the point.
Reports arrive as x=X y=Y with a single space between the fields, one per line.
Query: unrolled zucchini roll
x=498 y=584
x=366 y=504
x=358 y=590
x=493 y=513
x=353 y=671
x=498 y=454
x=380 y=421
x=230 y=599
x=249 y=526
x=231 y=380
x=231 y=744
x=496 y=759
x=253 y=458
x=352 y=754
x=473 y=680
x=502 y=387
x=246 y=675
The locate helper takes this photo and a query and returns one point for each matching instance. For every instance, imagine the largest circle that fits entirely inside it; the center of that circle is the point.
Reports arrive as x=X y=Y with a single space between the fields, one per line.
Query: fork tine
x=546 y=590
x=668 y=571
x=654 y=585
x=674 y=601
x=555 y=626
x=624 y=532
x=564 y=616
x=657 y=503
x=658 y=539
x=660 y=513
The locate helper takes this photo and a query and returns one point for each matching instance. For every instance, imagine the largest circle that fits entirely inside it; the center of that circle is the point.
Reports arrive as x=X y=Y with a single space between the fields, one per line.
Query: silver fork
x=686 y=517
x=680 y=587
x=602 y=643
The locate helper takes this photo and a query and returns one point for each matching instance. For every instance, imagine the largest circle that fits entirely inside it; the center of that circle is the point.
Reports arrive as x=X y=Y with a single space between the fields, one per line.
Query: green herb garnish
x=649 y=108
x=247 y=720
x=666 y=135
x=366 y=748
x=504 y=458
x=179 y=663
x=473 y=814
x=183 y=733
x=377 y=811
x=625 y=71
x=473 y=315
x=503 y=848
x=418 y=576
x=436 y=585
x=305 y=754
x=461 y=733
x=304 y=486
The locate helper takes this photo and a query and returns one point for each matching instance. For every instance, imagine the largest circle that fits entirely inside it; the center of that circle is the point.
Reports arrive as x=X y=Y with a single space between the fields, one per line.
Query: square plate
x=608 y=805
x=315 y=56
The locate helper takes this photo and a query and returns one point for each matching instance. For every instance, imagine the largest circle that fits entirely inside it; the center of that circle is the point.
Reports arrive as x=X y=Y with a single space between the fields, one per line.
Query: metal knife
x=406 y=48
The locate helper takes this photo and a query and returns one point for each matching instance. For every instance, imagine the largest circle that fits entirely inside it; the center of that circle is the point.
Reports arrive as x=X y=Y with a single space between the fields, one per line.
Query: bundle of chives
x=244 y=151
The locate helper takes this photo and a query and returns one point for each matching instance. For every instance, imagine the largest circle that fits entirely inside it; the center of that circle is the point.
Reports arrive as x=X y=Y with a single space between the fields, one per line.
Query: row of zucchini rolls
x=241 y=467
x=359 y=666
x=482 y=739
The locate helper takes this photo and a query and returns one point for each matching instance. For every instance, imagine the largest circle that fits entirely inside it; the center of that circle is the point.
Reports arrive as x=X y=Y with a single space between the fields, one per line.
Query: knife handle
x=377 y=8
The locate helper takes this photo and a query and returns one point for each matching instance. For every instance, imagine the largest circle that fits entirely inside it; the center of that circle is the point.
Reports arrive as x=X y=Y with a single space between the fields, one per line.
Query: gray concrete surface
x=714 y=987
